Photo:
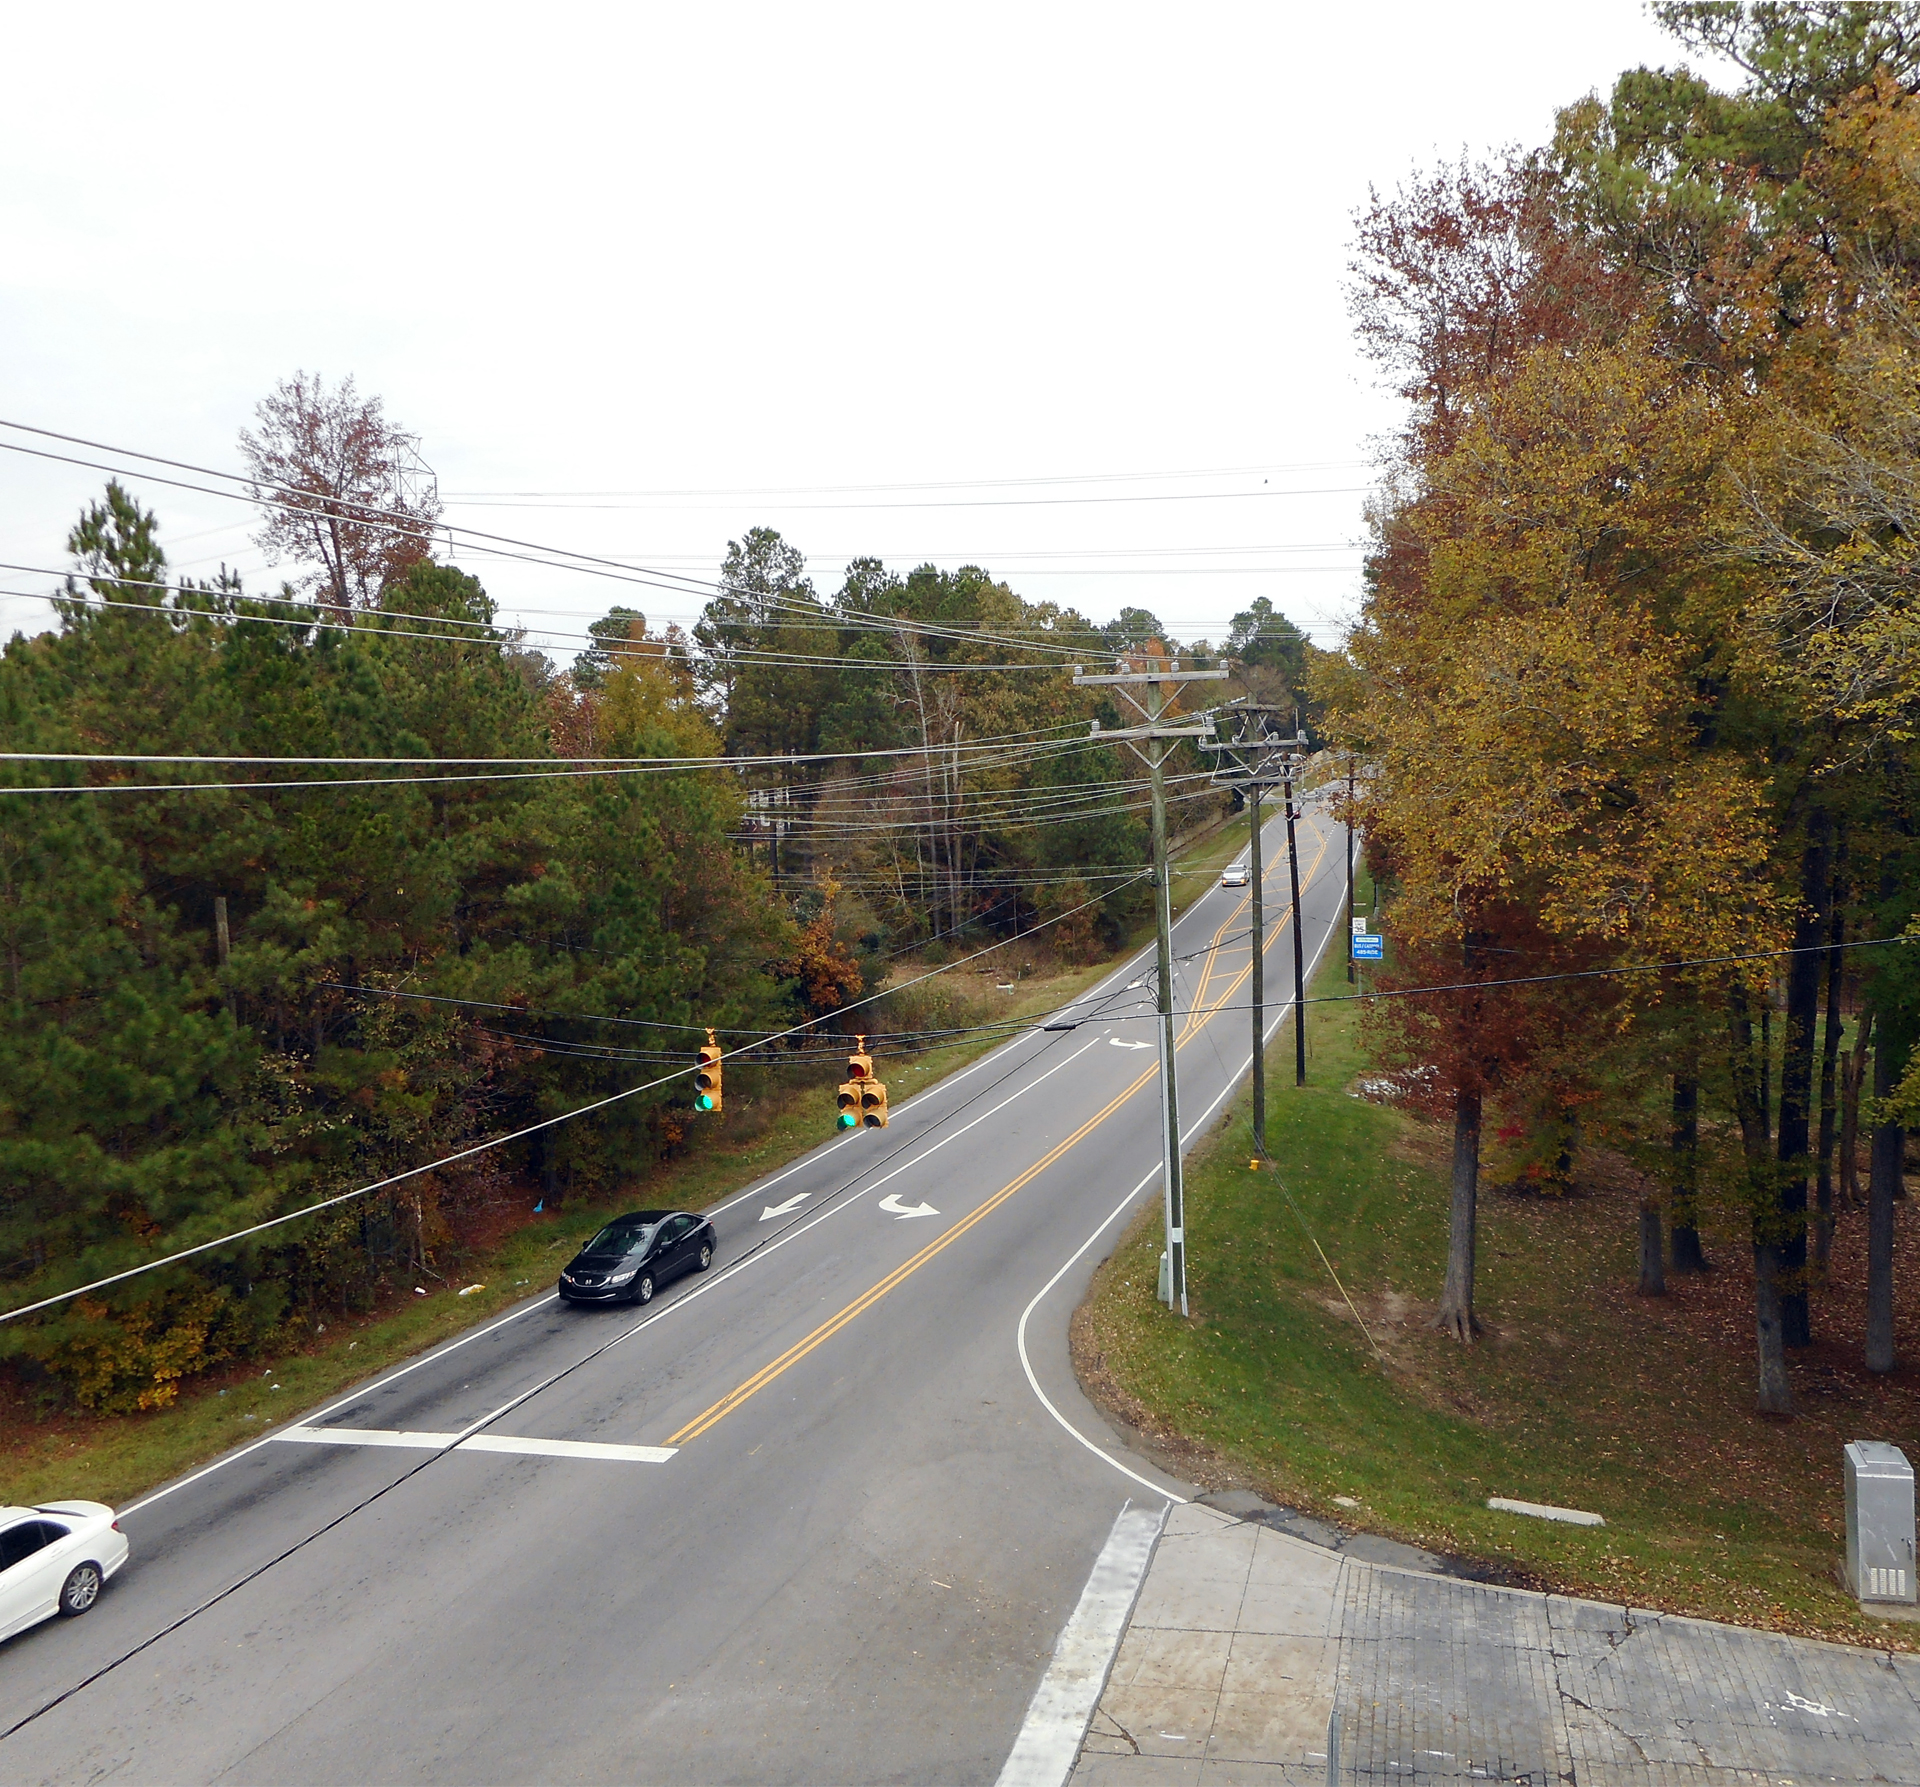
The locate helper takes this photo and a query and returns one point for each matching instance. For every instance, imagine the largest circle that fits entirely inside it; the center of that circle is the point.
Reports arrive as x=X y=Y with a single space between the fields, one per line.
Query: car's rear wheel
x=706 y=1257
x=643 y=1288
x=80 y=1590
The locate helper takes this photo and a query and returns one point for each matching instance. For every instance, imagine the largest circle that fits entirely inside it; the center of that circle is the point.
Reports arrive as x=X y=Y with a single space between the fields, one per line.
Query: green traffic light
x=848 y=1119
x=704 y=1102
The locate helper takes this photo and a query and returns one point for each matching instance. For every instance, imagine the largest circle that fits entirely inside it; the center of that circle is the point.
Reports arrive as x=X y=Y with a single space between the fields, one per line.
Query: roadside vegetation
x=1634 y=689
x=507 y=1246
x=342 y=886
x=1579 y=1392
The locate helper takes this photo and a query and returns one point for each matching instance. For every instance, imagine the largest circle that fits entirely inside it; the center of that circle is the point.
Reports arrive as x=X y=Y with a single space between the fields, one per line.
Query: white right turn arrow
x=792 y=1203
x=1118 y=1044
x=892 y=1205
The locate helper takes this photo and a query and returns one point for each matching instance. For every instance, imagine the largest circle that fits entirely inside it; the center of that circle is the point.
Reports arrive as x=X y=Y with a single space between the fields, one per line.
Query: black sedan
x=635 y=1255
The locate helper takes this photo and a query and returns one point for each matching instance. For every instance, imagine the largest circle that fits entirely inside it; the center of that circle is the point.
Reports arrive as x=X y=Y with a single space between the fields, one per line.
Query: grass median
x=1580 y=1395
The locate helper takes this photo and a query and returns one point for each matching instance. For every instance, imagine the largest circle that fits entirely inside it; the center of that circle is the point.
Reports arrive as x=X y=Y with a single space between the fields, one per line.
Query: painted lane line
x=919 y=1159
x=538 y=1303
x=477 y=1442
x=347 y=1401
x=367 y=1436
x=1062 y=1706
x=1119 y=1210
x=800 y=1349
x=867 y=1298
x=892 y=1205
x=761 y=1187
x=530 y=1448
x=758 y=1255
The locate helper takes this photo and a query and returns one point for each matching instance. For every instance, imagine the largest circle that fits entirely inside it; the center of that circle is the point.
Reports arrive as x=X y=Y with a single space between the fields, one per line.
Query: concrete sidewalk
x=1245 y=1639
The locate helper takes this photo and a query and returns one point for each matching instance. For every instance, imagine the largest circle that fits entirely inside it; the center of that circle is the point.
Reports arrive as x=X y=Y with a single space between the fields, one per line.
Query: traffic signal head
x=873 y=1104
x=706 y=1079
x=854 y=1090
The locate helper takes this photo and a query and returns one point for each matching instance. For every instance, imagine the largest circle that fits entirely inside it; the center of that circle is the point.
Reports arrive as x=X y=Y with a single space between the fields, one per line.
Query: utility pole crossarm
x=1157 y=739
x=1083 y=681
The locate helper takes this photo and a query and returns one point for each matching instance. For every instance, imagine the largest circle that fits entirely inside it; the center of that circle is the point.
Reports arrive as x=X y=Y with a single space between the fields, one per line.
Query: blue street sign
x=1370 y=948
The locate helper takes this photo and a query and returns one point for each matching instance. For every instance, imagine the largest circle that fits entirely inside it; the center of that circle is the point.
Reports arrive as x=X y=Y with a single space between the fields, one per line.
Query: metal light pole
x=1152 y=743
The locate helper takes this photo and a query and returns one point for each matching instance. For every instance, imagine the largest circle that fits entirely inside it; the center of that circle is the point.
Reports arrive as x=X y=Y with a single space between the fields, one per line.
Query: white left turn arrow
x=892 y=1205
x=792 y=1203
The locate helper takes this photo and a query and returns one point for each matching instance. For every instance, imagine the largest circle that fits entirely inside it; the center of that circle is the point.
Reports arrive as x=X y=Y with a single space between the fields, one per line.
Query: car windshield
x=621 y=1237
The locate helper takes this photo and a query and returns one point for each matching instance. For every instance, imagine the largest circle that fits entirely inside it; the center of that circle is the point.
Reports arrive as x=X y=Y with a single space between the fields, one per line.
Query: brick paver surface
x=1245 y=1641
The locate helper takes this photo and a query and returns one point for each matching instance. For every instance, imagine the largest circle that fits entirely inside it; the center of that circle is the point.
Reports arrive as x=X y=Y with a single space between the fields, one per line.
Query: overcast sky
x=926 y=283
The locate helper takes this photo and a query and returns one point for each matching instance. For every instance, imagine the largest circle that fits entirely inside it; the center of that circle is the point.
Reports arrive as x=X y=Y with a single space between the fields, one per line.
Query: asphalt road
x=860 y=1539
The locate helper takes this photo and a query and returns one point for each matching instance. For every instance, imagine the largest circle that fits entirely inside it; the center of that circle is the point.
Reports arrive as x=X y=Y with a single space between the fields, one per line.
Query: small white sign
x=1360 y=926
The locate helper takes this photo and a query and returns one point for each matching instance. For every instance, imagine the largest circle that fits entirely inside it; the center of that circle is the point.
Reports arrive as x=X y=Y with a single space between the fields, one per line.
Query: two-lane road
x=807 y=1518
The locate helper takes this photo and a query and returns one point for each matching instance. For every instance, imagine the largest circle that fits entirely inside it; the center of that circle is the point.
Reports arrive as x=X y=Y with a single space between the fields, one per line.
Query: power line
x=499 y=637
x=488 y=543
x=478 y=1147
x=991 y=502
x=1223 y=471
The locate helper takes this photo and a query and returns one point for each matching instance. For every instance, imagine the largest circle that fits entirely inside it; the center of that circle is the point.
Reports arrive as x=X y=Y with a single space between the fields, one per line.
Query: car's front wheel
x=706 y=1257
x=643 y=1288
x=81 y=1589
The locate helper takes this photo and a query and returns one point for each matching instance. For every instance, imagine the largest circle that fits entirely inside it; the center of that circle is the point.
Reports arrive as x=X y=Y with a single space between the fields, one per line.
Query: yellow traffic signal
x=706 y=1081
x=873 y=1104
x=854 y=1088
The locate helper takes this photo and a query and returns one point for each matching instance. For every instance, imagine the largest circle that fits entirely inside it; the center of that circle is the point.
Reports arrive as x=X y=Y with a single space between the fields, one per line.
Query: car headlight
x=623 y=1277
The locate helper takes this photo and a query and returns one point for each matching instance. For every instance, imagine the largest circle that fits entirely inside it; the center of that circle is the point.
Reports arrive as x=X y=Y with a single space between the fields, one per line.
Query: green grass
x=1581 y=1394
x=115 y=1459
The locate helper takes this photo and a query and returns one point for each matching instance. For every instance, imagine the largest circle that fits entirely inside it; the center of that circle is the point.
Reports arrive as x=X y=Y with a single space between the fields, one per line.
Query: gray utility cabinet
x=1880 y=1560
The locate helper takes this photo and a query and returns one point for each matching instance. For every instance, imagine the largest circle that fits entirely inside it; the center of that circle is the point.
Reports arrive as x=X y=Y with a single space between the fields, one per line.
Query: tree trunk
x=1796 y=1079
x=1653 y=1271
x=1766 y=1064
x=1688 y=1254
x=1853 y=1079
x=1455 y=1315
x=1883 y=1188
x=1829 y=1078
x=1775 y=1396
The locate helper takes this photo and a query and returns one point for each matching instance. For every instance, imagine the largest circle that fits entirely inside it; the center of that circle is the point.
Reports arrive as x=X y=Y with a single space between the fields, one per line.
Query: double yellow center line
x=867 y=1298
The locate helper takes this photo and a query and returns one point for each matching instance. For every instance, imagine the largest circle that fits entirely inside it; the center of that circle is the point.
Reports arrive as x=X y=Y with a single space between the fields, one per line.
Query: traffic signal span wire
x=491 y=1143
x=761 y=1245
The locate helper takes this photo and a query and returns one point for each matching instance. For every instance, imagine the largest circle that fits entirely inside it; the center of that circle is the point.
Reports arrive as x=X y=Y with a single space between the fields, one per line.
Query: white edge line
x=553 y=1297
x=438 y=1353
x=1125 y=1204
x=267 y=1439
x=759 y=1253
x=1063 y=1705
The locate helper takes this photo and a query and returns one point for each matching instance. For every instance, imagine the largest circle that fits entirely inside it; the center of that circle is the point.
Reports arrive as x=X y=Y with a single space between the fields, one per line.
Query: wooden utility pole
x=1152 y=743
x=1290 y=762
x=1255 y=761
x=1349 y=870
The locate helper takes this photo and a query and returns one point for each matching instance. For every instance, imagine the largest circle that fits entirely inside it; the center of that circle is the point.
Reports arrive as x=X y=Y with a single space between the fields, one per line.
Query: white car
x=55 y=1559
x=1234 y=875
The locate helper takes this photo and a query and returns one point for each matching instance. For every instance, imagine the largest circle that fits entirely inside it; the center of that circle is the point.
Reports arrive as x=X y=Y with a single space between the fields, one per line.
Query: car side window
x=677 y=1230
x=18 y=1543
